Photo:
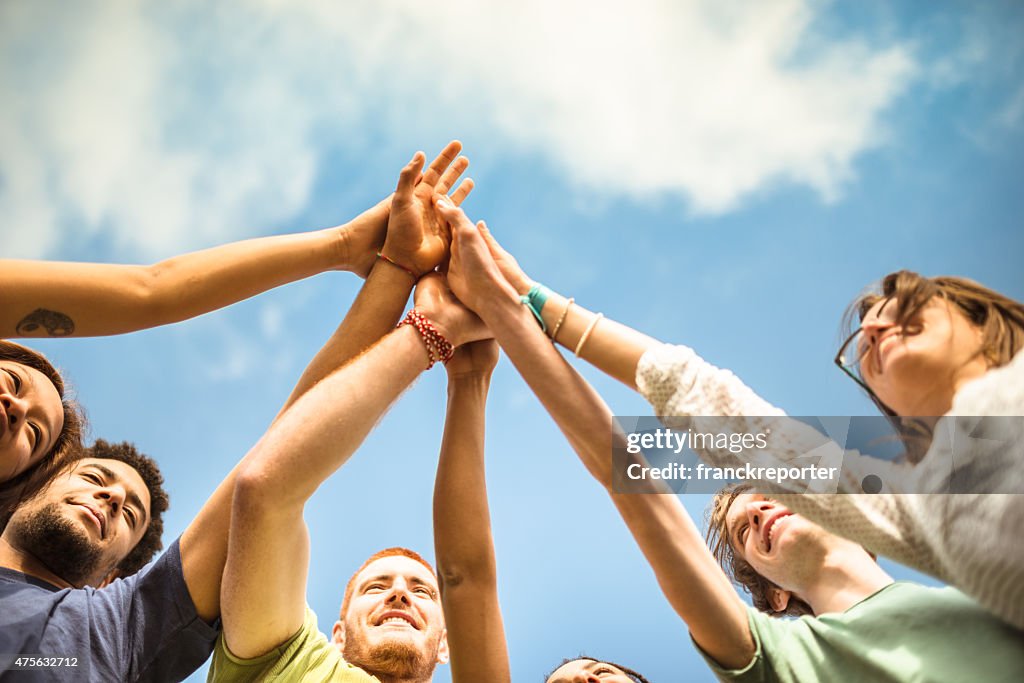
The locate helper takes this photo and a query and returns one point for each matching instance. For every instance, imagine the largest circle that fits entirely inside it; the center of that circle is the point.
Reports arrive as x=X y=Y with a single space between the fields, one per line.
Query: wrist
x=337 y=249
x=469 y=378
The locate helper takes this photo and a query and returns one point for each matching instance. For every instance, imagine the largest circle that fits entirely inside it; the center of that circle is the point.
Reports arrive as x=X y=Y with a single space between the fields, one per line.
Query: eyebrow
x=130 y=495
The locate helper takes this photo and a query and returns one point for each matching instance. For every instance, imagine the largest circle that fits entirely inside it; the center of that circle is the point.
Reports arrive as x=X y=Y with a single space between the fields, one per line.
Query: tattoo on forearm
x=55 y=323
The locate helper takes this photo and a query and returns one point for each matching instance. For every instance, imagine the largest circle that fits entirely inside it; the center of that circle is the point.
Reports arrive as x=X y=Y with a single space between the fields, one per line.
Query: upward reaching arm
x=204 y=544
x=263 y=592
x=462 y=526
x=689 y=576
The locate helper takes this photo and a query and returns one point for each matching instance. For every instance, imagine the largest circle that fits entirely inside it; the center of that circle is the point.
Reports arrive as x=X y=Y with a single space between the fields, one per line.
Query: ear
x=338 y=635
x=778 y=599
x=442 y=648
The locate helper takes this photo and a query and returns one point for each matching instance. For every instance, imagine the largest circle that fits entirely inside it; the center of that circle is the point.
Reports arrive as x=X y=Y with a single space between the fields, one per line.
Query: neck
x=937 y=400
x=12 y=557
x=847 y=576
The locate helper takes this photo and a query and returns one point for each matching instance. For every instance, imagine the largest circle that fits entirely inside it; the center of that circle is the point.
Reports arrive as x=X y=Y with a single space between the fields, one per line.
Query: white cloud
x=172 y=126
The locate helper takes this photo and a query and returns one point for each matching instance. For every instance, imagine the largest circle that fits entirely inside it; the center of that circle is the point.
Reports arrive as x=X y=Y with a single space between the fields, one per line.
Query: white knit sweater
x=972 y=541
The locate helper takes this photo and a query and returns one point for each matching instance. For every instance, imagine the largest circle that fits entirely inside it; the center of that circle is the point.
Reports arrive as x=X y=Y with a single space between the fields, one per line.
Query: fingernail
x=444 y=202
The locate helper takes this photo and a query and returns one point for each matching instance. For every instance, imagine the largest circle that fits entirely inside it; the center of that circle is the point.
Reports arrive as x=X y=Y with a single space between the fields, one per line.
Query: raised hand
x=364 y=236
x=506 y=263
x=435 y=300
x=417 y=239
x=473 y=273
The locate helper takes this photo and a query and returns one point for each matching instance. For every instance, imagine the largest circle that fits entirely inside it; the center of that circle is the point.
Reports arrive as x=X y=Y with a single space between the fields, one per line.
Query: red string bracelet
x=438 y=348
x=396 y=264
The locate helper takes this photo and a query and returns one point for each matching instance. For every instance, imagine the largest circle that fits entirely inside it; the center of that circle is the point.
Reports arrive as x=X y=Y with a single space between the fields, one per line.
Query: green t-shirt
x=306 y=656
x=904 y=632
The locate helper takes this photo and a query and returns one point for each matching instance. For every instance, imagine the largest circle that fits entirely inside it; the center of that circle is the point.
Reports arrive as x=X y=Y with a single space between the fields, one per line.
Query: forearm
x=321 y=430
x=463 y=542
x=688 y=575
x=462 y=529
x=375 y=311
x=581 y=414
x=90 y=299
x=611 y=347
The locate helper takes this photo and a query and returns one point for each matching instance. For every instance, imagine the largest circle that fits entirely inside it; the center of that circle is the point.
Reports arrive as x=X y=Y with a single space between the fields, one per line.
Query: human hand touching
x=417 y=239
x=453 y=320
x=473 y=273
x=365 y=235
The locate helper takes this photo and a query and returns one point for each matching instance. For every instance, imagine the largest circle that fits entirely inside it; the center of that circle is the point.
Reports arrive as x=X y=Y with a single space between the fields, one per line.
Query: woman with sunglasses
x=926 y=347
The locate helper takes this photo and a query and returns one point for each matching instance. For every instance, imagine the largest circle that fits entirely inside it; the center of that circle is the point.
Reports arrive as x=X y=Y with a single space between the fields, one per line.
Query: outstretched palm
x=417 y=238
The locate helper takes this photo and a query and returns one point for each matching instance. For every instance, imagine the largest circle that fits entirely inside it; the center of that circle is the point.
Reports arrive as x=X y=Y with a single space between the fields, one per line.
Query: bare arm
x=54 y=299
x=462 y=527
x=204 y=545
x=611 y=347
x=263 y=592
x=688 y=574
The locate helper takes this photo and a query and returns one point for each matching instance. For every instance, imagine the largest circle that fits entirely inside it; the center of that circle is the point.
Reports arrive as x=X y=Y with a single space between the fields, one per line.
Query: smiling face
x=85 y=522
x=393 y=623
x=782 y=547
x=916 y=367
x=588 y=671
x=31 y=418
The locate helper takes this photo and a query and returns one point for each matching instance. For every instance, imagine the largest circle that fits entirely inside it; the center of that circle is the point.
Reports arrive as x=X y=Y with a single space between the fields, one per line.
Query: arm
x=462 y=527
x=264 y=586
x=204 y=545
x=689 y=576
x=53 y=299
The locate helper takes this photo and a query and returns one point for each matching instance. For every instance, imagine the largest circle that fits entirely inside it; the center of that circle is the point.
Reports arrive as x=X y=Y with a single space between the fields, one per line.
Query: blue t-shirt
x=142 y=628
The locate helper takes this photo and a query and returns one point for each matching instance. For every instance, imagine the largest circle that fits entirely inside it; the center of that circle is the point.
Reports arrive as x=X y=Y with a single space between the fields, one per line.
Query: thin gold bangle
x=558 y=325
x=586 y=333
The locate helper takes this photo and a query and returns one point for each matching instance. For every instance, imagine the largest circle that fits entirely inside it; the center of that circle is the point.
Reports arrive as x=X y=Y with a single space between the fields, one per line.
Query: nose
x=113 y=496
x=15 y=408
x=399 y=593
x=756 y=511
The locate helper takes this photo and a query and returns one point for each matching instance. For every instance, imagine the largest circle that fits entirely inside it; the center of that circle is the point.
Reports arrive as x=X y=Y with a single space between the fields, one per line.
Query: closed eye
x=37 y=434
x=15 y=379
x=130 y=515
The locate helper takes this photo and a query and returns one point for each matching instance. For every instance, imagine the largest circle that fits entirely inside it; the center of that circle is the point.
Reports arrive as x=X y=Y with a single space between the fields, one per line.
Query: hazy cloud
x=162 y=127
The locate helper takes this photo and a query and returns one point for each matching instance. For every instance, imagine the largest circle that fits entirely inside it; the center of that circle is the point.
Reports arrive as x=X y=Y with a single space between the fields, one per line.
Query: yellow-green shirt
x=306 y=656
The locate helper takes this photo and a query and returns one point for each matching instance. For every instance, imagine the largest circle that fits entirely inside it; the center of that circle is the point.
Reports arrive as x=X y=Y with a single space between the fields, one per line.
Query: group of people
x=82 y=524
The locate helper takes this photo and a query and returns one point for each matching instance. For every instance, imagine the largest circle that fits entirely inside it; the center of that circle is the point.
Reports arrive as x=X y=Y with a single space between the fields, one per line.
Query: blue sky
x=726 y=175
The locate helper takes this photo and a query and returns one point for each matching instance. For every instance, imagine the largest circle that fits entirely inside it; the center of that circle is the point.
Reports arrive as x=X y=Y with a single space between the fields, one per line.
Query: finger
x=409 y=175
x=462 y=191
x=453 y=215
x=443 y=161
x=492 y=244
x=452 y=174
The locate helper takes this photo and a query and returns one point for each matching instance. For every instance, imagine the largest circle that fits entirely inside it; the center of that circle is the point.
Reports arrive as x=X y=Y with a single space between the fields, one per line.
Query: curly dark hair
x=150 y=543
x=635 y=676
x=29 y=482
